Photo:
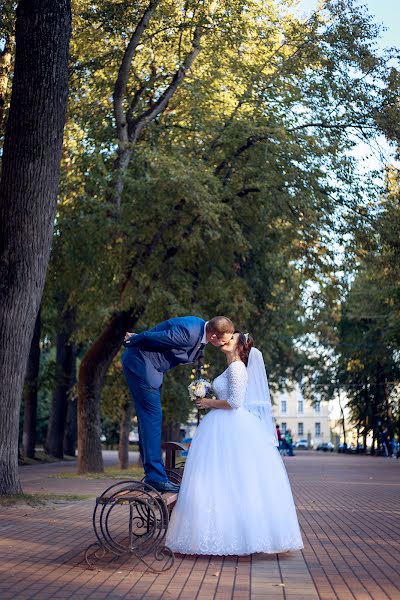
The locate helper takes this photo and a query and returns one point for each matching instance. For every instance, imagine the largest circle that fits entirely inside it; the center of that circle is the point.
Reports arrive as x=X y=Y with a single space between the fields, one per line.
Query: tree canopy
x=209 y=168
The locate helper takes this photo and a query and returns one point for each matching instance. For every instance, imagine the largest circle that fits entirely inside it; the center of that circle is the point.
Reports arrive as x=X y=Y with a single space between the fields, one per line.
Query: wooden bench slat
x=131 y=496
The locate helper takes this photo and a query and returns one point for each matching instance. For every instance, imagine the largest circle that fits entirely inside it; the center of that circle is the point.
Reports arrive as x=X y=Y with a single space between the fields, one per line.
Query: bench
x=131 y=518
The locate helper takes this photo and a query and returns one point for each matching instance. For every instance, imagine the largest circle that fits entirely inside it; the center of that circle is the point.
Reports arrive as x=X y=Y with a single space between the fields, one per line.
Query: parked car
x=134 y=436
x=325 y=447
x=356 y=449
x=302 y=444
x=351 y=449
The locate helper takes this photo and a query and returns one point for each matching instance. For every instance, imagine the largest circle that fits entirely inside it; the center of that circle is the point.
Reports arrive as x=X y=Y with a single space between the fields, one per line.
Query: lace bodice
x=231 y=384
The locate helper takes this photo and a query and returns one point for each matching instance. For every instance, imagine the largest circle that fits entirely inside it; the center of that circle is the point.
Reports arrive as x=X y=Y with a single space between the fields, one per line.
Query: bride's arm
x=211 y=403
x=237 y=384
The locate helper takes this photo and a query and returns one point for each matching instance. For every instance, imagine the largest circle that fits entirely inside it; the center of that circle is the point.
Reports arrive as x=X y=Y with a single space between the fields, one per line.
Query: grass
x=109 y=473
x=40 y=499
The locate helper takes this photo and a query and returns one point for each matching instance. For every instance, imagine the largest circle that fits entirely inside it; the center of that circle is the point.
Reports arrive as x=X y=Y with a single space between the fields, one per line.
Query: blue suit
x=148 y=356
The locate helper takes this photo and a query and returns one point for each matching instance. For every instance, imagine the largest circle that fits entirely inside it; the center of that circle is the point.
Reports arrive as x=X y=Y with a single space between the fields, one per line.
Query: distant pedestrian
x=279 y=436
x=395 y=447
x=289 y=443
x=385 y=442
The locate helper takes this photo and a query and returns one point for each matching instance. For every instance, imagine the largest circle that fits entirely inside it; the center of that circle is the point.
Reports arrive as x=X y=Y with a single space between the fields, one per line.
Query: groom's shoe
x=164 y=486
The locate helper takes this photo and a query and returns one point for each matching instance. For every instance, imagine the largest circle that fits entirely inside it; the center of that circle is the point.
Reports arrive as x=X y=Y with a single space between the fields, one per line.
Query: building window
x=300 y=407
x=300 y=429
x=283 y=406
x=317 y=407
x=317 y=428
x=283 y=428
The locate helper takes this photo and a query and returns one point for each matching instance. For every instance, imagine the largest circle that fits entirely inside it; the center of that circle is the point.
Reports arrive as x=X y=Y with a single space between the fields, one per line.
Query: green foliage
x=361 y=324
x=235 y=192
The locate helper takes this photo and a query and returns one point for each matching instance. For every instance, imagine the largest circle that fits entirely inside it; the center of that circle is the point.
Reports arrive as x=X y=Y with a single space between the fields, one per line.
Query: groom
x=148 y=356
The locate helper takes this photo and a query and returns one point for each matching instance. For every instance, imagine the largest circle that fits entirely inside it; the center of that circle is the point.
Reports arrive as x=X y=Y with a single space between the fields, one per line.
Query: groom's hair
x=220 y=325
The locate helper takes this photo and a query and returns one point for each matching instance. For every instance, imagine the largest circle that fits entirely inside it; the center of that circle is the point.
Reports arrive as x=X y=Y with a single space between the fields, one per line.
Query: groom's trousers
x=149 y=415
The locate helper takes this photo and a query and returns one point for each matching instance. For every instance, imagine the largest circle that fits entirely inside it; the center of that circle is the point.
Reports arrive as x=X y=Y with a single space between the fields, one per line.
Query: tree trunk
x=65 y=379
x=124 y=429
x=71 y=430
x=374 y=436
x=365 y=433
x=28 y=188
x=342 y=418
x=92 y=371
x=30 y=393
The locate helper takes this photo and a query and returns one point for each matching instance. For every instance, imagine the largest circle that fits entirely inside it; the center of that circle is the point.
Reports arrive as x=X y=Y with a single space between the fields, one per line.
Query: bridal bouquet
x=201 y=388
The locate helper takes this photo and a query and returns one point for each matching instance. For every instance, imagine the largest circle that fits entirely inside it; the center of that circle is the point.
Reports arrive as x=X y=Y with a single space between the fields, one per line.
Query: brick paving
x=349 y=511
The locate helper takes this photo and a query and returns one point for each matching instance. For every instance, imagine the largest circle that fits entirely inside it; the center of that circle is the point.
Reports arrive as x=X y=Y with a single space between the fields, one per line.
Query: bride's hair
x=244 y=345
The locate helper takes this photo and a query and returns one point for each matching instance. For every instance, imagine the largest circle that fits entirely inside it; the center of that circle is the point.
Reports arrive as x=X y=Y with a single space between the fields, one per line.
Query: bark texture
x=30 y=393
x=92 y=371
x=28 y=188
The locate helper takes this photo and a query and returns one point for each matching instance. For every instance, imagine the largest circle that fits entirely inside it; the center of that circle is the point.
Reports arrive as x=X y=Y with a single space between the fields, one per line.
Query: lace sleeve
x=237 y=384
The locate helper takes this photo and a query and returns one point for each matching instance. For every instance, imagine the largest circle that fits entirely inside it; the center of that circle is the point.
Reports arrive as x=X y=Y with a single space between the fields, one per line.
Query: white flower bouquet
x=201 y=388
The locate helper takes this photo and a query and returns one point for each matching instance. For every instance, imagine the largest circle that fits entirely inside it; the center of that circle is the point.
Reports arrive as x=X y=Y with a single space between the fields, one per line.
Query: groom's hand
x=128 y=336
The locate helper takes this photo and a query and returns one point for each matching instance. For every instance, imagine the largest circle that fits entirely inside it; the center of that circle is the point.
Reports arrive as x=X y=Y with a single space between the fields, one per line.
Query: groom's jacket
x=168 y=344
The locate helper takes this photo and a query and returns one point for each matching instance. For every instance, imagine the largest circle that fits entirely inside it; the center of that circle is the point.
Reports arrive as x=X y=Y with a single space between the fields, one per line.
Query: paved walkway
x=349 y=510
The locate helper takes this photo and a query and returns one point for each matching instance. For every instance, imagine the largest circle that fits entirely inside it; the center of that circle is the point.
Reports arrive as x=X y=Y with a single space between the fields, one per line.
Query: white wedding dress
x=235 y=496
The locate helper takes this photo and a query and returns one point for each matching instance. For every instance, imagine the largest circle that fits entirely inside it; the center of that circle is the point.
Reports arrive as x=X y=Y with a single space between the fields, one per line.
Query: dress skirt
x=235 y=497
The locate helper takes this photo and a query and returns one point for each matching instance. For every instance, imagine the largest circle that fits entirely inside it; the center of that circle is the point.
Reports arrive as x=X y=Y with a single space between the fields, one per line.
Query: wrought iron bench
x=131 y=518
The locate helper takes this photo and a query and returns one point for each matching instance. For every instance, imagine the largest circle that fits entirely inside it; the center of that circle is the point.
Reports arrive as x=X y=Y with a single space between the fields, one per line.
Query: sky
x=385 y=11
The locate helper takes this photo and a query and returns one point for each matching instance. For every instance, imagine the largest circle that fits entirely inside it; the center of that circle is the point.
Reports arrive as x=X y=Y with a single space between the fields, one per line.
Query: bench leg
x=147 y=506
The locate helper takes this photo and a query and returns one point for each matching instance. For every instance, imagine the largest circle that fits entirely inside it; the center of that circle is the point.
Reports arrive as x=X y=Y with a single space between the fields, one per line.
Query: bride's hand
x=202 y=403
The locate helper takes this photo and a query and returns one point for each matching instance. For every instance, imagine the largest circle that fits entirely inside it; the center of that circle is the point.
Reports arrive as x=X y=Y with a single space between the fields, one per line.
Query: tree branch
x=249 y=190
x=136 y=126
x=325 y=125
x=249 y=143
x=128 y=129
x=255 y=139
x=139 y=93
x=123 y=73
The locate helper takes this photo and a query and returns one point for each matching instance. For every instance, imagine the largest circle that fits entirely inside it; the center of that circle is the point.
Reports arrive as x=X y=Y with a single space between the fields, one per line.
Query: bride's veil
x=258 y=398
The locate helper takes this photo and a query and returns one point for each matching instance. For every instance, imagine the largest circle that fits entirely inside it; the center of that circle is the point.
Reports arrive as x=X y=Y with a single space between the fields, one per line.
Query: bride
x=235 y=496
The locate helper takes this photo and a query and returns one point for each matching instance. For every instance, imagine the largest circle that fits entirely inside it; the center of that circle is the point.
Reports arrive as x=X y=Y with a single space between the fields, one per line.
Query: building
x=306 y=421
